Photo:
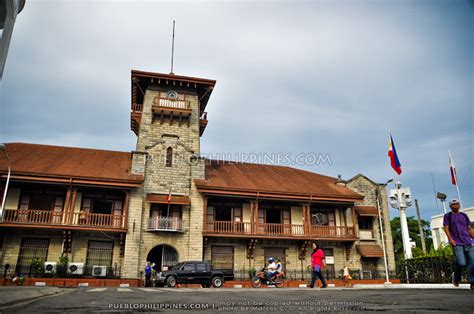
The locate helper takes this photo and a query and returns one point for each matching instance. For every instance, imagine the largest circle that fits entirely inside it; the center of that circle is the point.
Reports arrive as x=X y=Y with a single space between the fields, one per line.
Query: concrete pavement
x=12 y=295
x=128 y=300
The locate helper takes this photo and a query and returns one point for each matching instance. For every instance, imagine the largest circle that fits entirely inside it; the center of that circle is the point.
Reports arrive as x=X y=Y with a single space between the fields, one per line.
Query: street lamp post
x=401 y=199
x=4 y=148
x=442 y=198
x=387 y=278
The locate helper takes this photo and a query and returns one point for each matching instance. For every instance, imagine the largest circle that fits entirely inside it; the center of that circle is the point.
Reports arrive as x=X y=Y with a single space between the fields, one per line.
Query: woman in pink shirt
x=317 y=264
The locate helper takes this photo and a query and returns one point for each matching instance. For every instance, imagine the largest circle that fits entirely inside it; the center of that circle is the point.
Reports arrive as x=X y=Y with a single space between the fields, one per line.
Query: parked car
x=196 y=272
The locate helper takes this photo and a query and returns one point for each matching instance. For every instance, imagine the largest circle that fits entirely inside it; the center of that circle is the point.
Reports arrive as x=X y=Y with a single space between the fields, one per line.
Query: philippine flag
x=392 y=153
x=454 y=180
x=168 y=199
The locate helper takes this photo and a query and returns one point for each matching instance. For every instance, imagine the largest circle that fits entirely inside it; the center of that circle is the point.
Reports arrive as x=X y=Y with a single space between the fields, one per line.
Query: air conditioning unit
x=99 y=271
x=49 y=267
x=75 y=268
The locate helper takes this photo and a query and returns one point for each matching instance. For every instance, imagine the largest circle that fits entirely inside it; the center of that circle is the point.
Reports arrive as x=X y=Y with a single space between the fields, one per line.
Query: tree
x=414 y=232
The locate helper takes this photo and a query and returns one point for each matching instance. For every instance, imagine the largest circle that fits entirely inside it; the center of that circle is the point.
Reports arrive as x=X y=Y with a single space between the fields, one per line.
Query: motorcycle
x=260 y=279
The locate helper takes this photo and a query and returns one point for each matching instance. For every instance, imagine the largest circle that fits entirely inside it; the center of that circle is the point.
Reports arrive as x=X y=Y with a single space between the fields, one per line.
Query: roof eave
x=126 y=183
x=206 y=189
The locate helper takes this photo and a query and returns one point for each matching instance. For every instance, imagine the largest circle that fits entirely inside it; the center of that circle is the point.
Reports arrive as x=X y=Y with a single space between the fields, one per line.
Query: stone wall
x=368 y=188
x=13 y=239
x=155 y=137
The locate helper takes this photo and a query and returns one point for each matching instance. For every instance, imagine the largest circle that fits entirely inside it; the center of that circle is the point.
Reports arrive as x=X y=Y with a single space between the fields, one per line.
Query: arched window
x=169 y=157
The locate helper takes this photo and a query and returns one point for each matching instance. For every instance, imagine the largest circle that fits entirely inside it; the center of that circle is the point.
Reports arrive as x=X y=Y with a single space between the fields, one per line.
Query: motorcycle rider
x=279 y=267
x=271 y=268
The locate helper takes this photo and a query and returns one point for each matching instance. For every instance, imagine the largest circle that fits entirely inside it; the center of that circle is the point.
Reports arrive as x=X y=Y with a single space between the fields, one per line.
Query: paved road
x=249 y=300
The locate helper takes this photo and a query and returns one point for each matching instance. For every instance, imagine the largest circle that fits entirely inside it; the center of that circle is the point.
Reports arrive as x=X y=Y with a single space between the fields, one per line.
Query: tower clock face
x=172 y=94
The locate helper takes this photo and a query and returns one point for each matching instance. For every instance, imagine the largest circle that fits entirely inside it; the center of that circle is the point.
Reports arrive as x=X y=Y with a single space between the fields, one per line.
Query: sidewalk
x=413 y=286
x=11 y=295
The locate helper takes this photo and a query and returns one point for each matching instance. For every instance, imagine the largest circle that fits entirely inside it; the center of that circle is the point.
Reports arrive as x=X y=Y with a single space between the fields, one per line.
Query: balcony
x=31 y=216
x=136 y=117
x=82 y=220
x=202 y=123
x=173 y=224
x=279 y=230
x=98 y=220
x=171 y=107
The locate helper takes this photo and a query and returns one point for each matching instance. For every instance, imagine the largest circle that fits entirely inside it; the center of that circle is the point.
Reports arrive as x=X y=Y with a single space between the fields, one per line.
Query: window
x=219 y=210
x=102 y=207
x=365 y=223
x=39 y=200
x=99 y=203
x=30 y=249
x=200 y=266
x=323 y=217
x=189 y=267
x=223 y=213
x=222 y=257
x=369 y=267
x=163 y=210
x=99 y=253
x=169 y=157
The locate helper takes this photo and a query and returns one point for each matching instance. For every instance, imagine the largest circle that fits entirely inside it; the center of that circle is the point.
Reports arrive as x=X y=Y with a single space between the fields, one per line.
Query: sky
x=293 y=77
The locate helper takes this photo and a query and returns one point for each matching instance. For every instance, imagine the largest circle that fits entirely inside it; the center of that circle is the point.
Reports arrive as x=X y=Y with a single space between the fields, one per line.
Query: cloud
x=324 y=77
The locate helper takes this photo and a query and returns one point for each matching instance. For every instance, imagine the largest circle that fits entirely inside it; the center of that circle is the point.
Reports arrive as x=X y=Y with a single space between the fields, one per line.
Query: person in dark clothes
x=456 y=225
x=148 y=270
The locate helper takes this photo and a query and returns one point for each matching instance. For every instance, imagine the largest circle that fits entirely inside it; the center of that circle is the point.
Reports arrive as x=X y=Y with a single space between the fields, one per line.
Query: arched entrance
x=162 y=256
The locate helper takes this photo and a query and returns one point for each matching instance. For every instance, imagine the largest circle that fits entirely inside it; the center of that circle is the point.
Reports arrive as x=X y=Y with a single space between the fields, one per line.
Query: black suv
x=194 y=272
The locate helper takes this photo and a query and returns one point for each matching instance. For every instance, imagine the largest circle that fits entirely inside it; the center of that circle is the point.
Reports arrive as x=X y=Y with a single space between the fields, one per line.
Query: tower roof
x=141 y=80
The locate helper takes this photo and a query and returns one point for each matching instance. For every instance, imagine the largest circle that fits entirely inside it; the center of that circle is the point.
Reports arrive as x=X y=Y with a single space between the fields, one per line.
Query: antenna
x=172 y=51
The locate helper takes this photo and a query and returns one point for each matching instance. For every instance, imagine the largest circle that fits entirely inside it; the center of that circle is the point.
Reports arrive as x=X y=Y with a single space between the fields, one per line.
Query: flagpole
x=455 y=177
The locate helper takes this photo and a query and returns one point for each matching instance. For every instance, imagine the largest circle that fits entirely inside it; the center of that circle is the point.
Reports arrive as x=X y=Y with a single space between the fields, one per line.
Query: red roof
x=163 y=199
x=364 y=210
x=68 y=162
x=370 y=250
x=269 y=179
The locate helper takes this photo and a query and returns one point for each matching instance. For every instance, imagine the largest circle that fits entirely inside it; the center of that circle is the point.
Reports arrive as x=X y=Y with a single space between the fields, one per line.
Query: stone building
x=111 y=212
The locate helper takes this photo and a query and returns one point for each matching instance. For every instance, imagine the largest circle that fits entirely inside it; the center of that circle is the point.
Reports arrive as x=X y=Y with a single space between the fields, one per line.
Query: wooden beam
x=125 y=210
x=73 y=203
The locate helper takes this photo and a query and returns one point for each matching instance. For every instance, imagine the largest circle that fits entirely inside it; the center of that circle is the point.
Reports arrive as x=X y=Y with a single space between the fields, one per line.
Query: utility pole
x=420 y=227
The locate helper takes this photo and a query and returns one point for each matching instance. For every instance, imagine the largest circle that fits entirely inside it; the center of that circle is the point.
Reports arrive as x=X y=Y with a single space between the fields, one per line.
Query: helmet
x=271 y=259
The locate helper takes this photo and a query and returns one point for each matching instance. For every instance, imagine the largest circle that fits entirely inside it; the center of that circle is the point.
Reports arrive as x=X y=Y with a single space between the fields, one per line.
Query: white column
x=405 y=233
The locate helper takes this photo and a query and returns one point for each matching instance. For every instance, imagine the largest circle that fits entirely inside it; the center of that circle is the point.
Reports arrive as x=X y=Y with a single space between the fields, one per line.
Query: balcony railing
x=172 y=103
x=32 y=216
x=48 y=217
x=137 y=107
x=332 y=231
x=98 y=220
x=165 y=224
x=272 y=229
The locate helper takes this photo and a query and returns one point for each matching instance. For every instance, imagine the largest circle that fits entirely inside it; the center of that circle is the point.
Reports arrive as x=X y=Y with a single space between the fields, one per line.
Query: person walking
x=148 y=270
x=317 y=264
x=347 y=276
x=456 y=226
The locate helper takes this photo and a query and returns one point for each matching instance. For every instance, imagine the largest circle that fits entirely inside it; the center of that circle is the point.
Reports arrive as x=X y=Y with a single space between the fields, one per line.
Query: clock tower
x=168 y=116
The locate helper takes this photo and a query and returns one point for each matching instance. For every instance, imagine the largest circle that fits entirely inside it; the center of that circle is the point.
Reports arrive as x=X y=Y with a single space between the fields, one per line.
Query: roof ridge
x=269 y=165
x=71 y=147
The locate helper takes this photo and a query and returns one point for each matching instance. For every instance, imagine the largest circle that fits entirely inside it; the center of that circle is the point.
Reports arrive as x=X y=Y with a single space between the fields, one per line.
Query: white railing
x=172 y=103
x=165 y=224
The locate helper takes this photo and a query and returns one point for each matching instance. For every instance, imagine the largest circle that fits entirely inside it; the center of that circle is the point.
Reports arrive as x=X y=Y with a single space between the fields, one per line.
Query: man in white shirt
x=271 y=268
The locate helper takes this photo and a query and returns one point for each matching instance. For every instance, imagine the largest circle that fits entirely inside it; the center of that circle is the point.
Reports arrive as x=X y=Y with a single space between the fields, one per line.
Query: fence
x=297 y=274
x=61 y=271
x=436 y=269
